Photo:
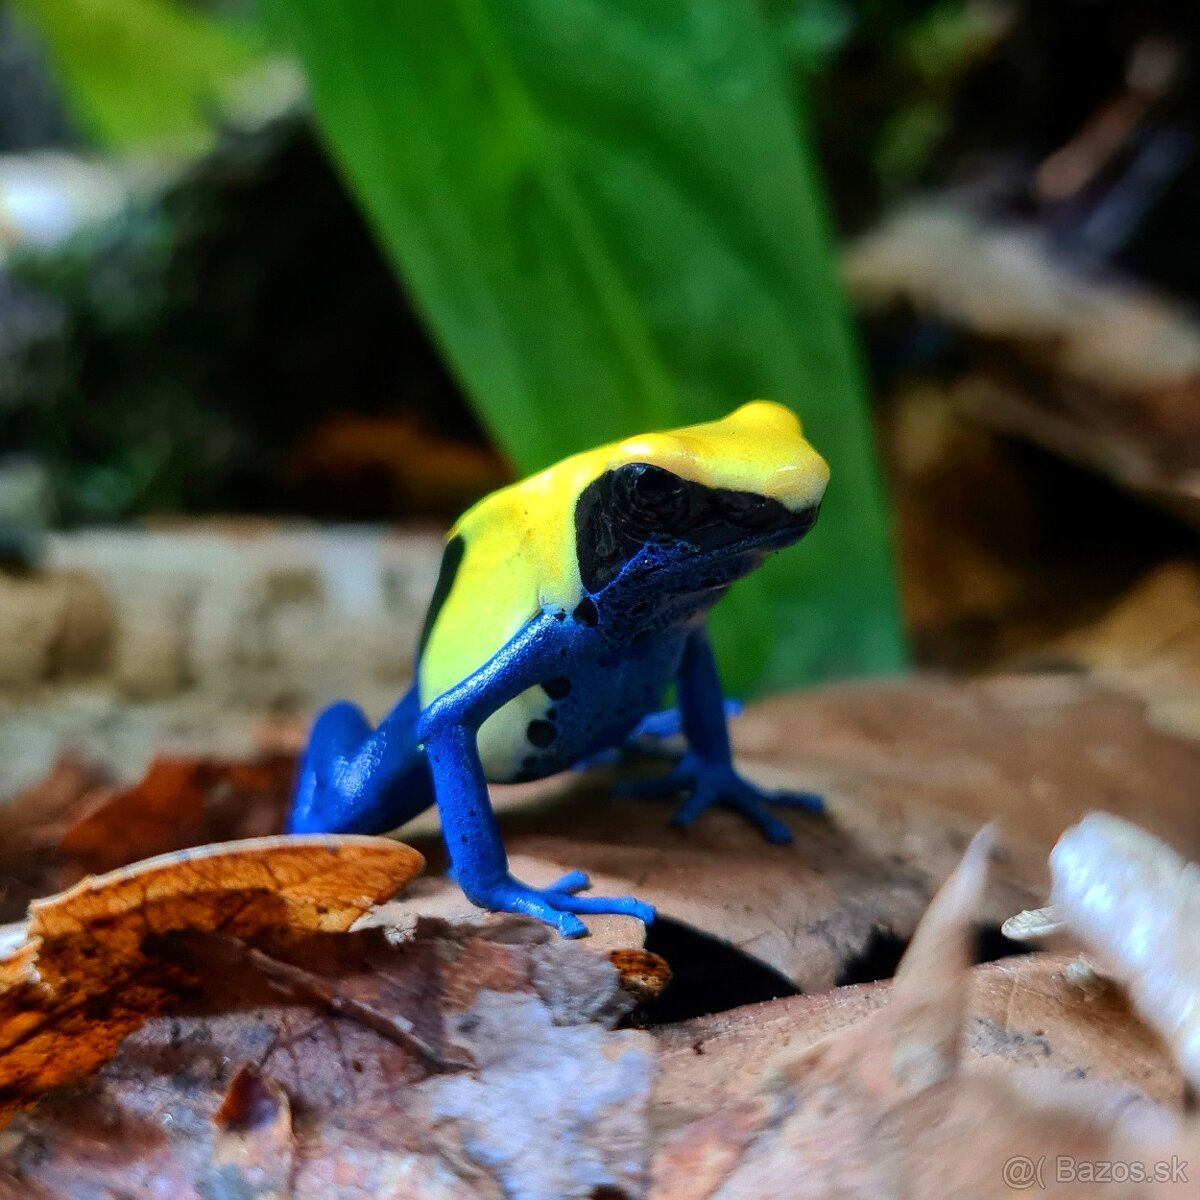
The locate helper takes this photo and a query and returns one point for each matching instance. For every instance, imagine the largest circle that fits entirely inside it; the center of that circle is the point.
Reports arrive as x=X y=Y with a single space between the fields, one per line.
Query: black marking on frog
x=451 y=560
x=541 y=733
x=558 y=688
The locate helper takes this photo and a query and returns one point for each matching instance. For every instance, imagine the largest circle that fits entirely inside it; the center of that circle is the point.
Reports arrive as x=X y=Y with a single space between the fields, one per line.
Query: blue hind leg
x=705 y=773
x=355 y=779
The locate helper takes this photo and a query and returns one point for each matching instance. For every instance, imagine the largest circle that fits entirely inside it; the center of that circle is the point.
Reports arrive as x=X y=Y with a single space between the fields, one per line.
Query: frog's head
x=700 y=506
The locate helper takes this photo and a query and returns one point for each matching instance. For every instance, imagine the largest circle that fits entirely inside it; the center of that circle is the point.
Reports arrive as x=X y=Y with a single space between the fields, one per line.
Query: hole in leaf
x=882 y=954
x=878 y=959
x=991 y=944
x=708 y=975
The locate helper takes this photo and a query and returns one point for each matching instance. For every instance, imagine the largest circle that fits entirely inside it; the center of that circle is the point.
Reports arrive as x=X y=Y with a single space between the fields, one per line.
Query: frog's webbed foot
x=558 y=903
x=710 y=784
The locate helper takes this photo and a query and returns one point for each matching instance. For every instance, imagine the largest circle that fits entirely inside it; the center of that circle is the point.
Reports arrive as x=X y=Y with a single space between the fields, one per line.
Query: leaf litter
x=225 y=1022
x=83 y=979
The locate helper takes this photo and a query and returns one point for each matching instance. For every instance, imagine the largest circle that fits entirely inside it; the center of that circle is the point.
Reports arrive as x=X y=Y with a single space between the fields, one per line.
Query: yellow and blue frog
x=565 y=606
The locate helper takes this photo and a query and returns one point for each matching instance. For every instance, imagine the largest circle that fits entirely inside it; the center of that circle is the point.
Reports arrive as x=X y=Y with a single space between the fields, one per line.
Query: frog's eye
x=652 y=485
x=654 y=496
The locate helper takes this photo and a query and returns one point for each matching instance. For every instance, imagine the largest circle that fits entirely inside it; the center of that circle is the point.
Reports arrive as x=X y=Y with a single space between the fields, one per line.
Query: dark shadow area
x=991 y=945
x=883 y=953
x=878 y=960
x=708 y=975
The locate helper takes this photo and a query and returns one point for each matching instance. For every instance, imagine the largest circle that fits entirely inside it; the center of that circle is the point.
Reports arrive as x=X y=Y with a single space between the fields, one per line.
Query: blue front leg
x=706 y=771
x=448 y=730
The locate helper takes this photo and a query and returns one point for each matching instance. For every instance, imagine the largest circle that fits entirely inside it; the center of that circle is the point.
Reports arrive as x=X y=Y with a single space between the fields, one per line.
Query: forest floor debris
x=410 y=1046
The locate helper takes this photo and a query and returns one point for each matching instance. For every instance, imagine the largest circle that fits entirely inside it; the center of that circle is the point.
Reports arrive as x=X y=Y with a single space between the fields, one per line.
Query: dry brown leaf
x=427 y=471
x=85 y=980
x=31 y=830
x=1152 y=630
x=808 y=909
x=929 y=994
x=215 y=1096
x=643 y=975
x=178 y=803
x=311 y=882
x=1024 y=1014
x=884 y=1107
x=909 y=770
x=254 y=1147
x=1033 y=752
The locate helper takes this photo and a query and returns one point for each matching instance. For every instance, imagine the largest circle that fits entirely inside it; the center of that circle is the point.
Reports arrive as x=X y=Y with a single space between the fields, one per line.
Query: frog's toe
x=571 y=882
x=545 y=905
x=568 y=925
x=558 y=905
x=621 y=906
x=564 y=906
x=812 y=802
x=740 y=797
x=700 y=799
x=753 y=806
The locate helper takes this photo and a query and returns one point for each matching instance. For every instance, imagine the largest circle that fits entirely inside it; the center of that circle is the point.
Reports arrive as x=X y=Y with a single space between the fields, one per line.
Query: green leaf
x=139 y=71
x=609 y=219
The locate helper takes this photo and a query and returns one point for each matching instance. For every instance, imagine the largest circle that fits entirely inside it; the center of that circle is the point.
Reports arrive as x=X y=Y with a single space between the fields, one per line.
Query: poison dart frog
x=565 y=606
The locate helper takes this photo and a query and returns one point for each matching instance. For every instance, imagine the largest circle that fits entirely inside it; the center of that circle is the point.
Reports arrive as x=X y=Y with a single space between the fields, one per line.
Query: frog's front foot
x=712 y=784
x=556 y=904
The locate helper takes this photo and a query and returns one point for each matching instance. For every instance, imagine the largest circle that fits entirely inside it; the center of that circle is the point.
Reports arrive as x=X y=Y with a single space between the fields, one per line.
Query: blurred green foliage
x=140 y=72
x=611 y=221
x=880 y=78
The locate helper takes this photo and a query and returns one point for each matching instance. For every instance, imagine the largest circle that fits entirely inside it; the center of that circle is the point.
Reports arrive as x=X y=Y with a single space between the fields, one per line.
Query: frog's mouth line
x=719 y=562
x=770 y=528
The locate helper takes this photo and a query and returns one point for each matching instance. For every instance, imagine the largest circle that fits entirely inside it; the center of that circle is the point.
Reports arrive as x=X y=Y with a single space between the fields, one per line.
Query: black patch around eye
x=647 y=486
x=452 y=558
x=640 y=507
x=661 y=499
x=558 y=688
x=541 y=733
x=622 y=511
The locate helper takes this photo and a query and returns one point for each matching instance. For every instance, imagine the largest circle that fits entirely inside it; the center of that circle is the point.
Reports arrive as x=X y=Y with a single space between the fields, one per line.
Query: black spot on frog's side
x=541 y=733
x=451 y=560
x=558 y=688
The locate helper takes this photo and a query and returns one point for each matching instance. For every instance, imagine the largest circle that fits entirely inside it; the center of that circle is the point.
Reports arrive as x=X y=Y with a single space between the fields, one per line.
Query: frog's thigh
x=513 y=732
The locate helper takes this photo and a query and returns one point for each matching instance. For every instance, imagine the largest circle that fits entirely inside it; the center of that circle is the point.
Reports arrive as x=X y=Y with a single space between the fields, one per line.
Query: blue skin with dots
x=604 y=669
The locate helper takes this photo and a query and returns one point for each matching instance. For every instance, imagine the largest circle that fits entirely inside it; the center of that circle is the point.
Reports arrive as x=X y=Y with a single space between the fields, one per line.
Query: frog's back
x=507 y=559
